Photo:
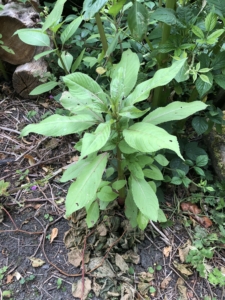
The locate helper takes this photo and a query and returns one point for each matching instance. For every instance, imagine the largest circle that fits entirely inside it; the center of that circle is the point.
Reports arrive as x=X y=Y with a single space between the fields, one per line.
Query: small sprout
x=151 y=270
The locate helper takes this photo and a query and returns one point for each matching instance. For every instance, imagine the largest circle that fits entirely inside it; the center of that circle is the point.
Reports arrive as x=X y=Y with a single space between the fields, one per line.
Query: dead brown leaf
x=36 y=262
x=102 y=230
x=120 y=262
x=53 y=234
x=182 y=268
x=75 y=257
x=183 y=251
x=9 y=278
x=182 y=289
x=77 y=288
x=195 y=211
x=165 y=282
x=30 y=158
x=167 y=250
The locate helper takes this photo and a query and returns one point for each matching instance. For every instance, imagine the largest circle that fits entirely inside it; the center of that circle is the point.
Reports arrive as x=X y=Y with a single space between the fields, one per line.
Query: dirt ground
x=33 y=212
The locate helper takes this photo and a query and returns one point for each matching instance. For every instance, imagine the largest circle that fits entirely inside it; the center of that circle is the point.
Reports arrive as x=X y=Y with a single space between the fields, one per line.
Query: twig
x=165 y=239
x=9 y=129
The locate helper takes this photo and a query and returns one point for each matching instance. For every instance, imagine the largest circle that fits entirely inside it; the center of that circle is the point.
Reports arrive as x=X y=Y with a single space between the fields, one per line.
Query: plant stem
x=121 y=198
x=3 y=71
x=59 y=56
x=101 y=32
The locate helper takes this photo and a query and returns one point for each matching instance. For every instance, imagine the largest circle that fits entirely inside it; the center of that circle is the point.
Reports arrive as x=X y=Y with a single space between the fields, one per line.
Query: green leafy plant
x=3 y=188
x=27 y=279
x=118 y=157
x=48 y=217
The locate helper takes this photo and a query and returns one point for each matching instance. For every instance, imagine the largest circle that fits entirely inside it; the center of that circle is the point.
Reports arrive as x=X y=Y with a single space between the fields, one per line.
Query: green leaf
x=58 y=125
x=3 y=188
x=220 y=80
x=202 y=160
x=145 y=198
x=204 y=78
x=176 y=110
x=212 y=38
x=176 y=180
x=165 y=15
x=125 y=148
x=74 y=170
x=153 y=173
x=77 y=61
x=147 y=137
x=131 y=210
x=116 y=7
x=132 y=112
x=161 y=216
x=43 y=88
x=203 y=87
x=219 y=5
x=138 y=20
x=161 y=78
x=84 y=88
x=142 y=221
x=92 y=214
x=210 y=21
x=186 y=181
x=70 y=29
x=36 y=57
x=193 y=150
x=119 y=184
x=178 y=164
x=199 y=124
x=91 y=7
x=106 y=194
x=67 y=59
x=161 y=160
x=219 y=61
x=197 y=31
x=113 y=44
x=33 y=37
x=199 y=171
x=93 y=142
x=54 y=16
x=122 y=85
x=135 y=169
x=84 y=189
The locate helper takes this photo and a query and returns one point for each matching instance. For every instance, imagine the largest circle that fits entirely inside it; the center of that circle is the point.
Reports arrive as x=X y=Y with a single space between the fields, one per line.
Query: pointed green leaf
x=91 y=7
x=94 y=142
x=142 y=221
x=219 y=61
x=161 y=216
x=174 y=111
x=161 y=160
x=113 y=44
x=84 y=189
x=77 y=61
x=210 y=21
x=70 y=29
x=33 y=37
x=198 y=32
x=36 y=57
x=153 y=173
x=202 y=160
x=116 y=7
x=131 y=210
x=119 y=184
x=215 y=34
x=74 y=170
x=220 y=80
x=161 y=78
x=58 y=125
x=199 y=124
x=43 y=88
x=145 y=198
x=124 y=75
x=218 y=5
x=138 y=20
x=165 y=15
x=67 y=59
x=54 y=16
x=92 y=214
x=106 y=194
x=202 y=86
x=132 y=112
x=147 y=137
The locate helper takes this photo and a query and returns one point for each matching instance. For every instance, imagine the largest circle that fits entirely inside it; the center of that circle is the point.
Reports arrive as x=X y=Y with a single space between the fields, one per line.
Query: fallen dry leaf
x=165 y=282
x=30 y=158
x=120 y=262
x=77 y=288
x=53 y=234
x=102 y=230
x=9 y=278
x=75 y=257
x=183 y=251
x=182 y=289
x=36 y=262
x=182 y=268
x=167 y=250
x=194 y=210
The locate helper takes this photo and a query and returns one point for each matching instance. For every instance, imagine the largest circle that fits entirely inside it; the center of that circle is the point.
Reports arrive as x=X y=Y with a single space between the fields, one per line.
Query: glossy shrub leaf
x=145 y=198
x=153 y=173
x=36 y=57
x=147 y=137
x=33 y=37
x=161 y=160
x=106 y=194
x=210 y=21
x=193 y=150
x=199 y=124
x=132 y=112
x=91 y=7
x=116 y=7
x=220 y=80
x=198 y=32
x=142 y=220
x=165 y=15
x=92 y=214
x=113 y=45
x=70 y=29
x=54 y=16
x=93 y=142
x=138 y=20
x=43 y=88
x=124 y=75
x=174 y=111
x=135 y=169
x=119 y=184
x=83 y=190
x=78 y=61
x=58 y=125
x=178 y=164
x=161 y=78
x=199 y=171
x=218 y=5
x=202 y=160
x=202 y=86
x=131 y=210
x=213 y=37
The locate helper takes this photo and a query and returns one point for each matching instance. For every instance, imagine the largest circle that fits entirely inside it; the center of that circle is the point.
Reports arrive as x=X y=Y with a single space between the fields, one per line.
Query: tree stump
x=15 y=16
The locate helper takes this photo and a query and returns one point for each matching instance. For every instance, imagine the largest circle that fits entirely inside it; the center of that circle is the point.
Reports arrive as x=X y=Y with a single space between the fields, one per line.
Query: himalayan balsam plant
x=119 y=142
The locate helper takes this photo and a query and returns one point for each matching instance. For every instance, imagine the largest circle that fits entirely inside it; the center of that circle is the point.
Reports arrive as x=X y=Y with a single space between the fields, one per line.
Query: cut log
x=26 y=77
x=15 y=16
